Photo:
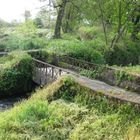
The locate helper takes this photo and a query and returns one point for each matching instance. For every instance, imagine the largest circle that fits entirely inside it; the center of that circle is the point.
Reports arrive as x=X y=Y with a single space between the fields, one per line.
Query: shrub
x=124 y=55
x=88 y=54
x=32 y=43
x=11 y=42
x=27 y=28
x=16 y=75
x=76 y=49
x=97 y=44
x=89 y=33
x=40 y=55
x=2 y=47
x=15 y=42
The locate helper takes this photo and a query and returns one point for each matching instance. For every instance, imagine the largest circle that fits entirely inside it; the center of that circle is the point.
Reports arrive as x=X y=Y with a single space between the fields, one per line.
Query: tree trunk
x=103 y=23
x=119 y=16
x=57 y=32
x=136 y=26
x=136 y=22
x=67 y=25
x=117 y=37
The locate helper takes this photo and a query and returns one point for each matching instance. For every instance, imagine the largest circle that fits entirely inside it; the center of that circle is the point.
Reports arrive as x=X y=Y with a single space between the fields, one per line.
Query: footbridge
x=45 y=73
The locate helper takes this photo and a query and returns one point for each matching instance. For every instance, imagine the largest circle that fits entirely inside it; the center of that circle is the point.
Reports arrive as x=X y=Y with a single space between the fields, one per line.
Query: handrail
x=77 y=60
x=89 y=63
x=3 y=53
x=24 y=51
x=97 y=65
x=62 y=69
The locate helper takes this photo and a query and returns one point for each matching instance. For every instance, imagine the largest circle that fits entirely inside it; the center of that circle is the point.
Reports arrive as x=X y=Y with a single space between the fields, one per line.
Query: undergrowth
x=67 y=110
x=16 y=74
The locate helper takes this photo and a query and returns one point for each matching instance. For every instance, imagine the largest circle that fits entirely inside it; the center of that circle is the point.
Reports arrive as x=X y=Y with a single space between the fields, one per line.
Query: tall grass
x=67 y=110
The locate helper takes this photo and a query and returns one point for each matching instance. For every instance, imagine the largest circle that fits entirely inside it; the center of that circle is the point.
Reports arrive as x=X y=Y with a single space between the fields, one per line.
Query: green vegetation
x=77 y=49
x=15 y=74
x=123 y=76
x=131 y=69
x=104 y=32
x=67 y=110
x=24 y=36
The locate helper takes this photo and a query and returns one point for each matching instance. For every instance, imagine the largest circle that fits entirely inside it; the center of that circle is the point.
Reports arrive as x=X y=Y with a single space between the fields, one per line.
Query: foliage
x=76 y=49
x=89 y=33
x=123 y=54
x=131 y=69
x=15 y=42
x=123 y=76
x=86 y=115
x=27 y=29
x=32 y=43
x=94 y=73
x=16 y=75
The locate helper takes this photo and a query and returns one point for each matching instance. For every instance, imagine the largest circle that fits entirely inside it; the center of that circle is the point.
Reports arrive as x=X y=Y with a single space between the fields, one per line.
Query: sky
x=14 y=9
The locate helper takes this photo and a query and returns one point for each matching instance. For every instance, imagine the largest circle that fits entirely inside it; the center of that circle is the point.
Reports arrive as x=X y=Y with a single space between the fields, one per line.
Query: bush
x=40 y=55
x=10 y=43
x=32 y=43
x=124 y=55
x=16 y=75
x=76 y=49
x=2 y=47
x=88 y=54
x=89 y=33
x=97 y=44
x=15 y=42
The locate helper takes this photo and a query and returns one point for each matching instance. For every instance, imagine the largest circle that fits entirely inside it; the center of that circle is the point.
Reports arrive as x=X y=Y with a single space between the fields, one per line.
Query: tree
x=61 y=12
x=135 y=21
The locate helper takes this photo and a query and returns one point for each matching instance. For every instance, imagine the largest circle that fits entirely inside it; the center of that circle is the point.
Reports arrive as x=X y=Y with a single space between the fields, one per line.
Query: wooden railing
x=24 y=51
x=45 y=73
x=82 y=63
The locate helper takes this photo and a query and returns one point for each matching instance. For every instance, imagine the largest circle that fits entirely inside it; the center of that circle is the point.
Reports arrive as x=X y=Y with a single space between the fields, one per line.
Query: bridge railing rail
x=82 y=63
x=45 y=73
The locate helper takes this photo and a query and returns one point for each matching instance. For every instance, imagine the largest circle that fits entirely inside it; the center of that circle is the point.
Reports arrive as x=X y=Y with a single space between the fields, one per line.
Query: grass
x=67 y=110
x=131 y=69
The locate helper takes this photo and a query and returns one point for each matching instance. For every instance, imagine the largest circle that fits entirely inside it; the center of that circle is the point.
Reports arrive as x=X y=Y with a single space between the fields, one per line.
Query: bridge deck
x=111 y=91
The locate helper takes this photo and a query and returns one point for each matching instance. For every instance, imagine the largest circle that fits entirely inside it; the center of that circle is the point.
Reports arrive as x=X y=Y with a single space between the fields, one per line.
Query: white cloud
x=14 y=9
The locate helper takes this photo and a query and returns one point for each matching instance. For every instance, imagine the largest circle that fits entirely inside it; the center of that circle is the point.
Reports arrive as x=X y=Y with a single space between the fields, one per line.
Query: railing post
x=60 y=72
x=40 y=77
x=52 y=72
x=46 y=74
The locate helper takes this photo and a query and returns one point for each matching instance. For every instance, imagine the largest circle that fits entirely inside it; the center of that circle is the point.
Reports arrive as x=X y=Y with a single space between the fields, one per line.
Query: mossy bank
x=15 y=74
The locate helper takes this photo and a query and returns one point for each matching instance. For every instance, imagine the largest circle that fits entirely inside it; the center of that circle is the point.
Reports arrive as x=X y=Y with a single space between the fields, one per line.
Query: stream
x=8 y=103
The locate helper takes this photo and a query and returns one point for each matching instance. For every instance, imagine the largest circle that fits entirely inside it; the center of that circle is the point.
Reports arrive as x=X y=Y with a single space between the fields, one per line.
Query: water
x=9 y=103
